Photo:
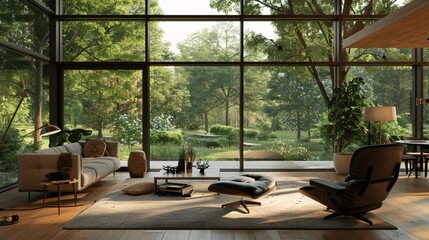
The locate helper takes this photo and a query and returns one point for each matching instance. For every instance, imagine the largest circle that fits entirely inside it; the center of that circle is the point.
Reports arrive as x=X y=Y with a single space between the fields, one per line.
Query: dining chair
x=416 y=158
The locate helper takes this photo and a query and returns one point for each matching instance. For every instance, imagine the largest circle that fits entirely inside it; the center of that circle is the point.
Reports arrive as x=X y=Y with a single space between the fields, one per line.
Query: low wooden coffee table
x=209 y=174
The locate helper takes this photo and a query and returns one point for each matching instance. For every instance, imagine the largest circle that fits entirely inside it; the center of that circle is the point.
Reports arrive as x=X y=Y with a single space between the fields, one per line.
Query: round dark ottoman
x=245 y=185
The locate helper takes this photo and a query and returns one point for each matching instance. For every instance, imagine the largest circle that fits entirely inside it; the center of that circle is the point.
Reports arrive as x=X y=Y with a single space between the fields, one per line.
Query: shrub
x=213 y=144
x=164 y=137
x=265 y=132
x=250 y=133
x=161 y=123
x=230 y=134
x=203 y=142
x=8 y=152
x=290 y=152
x=221 y=129
x=127 y=130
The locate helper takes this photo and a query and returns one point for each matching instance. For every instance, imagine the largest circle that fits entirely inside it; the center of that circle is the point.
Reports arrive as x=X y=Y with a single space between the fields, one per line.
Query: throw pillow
x=139 y=188
x=94 y=148
x=106 y=153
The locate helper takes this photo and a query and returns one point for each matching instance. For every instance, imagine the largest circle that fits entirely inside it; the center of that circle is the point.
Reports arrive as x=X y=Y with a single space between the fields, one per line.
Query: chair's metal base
x=243 y=203
x=358 y=216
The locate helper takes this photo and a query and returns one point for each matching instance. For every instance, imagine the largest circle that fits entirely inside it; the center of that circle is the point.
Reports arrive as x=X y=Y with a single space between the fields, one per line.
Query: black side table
x=47 y=183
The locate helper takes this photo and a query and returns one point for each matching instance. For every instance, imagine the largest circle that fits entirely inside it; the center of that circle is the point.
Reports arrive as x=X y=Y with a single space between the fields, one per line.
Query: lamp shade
x=380 y=114
x=47 y=129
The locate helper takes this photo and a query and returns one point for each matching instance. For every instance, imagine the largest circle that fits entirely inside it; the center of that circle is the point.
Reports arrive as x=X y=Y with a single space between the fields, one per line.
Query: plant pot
x=342 y=163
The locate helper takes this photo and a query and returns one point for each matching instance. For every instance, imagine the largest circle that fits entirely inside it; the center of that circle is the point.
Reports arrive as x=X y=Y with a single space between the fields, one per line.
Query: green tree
x=215 y=88
x=293 y=96
x=105 y=95
x=306 y=41
x=22 y=26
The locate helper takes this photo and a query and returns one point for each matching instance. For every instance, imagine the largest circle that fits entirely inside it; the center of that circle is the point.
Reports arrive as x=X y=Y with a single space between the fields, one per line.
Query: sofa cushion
x=59 y=149
x=88 y=176
x=139 y=188
x=74 y=148
x=112 y=149
x=102 y=166
x=94 y=148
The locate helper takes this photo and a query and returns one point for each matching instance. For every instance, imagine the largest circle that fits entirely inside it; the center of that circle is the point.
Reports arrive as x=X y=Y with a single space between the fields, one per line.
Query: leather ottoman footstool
x=245 y=185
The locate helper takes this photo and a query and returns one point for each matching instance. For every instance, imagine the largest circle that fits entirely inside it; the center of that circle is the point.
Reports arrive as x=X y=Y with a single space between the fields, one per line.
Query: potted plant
x=345 y=125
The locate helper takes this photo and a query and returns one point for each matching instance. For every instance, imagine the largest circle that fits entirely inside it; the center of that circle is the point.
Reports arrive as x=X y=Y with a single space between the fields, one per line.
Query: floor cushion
x=139 y=188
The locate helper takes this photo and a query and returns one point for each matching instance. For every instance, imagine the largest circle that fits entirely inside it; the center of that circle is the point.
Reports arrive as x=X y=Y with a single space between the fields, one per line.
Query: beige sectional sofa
x=89 y=163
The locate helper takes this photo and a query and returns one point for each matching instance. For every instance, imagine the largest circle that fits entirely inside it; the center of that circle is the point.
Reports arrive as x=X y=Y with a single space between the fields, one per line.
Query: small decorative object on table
x=170 y=168
x=190 y=157
x=202 y=166
x=54 y=176
x=181 y=165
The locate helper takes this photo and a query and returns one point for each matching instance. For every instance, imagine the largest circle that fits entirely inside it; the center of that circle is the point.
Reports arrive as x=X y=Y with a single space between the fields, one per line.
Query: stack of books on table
x=176 y=188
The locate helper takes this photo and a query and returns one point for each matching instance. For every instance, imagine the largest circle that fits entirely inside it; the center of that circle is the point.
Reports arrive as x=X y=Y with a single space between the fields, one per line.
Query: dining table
x=421 y=145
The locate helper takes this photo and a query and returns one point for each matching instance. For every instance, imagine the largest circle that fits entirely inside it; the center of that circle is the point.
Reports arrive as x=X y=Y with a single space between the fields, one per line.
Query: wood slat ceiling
x=406 y=28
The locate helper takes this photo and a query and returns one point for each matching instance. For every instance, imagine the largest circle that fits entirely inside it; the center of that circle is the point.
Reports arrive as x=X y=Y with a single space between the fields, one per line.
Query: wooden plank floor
x=407 y=207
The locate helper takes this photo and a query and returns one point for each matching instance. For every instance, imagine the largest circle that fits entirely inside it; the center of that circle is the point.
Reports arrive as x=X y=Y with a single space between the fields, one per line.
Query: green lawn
x=285 y=144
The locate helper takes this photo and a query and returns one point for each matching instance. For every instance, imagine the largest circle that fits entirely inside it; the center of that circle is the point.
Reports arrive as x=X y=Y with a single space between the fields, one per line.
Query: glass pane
x=202 y=110
x=197 y=7
x=426 y=55
x=296 y=7
x=96 y=41
x=364 y=7
x=106 y=102
x=283 y=107
x=105 y=7
x=198 y=41
x=388 y=86
x=425 y=107
x=21 y=77
x=22 y=26
x=293 y=41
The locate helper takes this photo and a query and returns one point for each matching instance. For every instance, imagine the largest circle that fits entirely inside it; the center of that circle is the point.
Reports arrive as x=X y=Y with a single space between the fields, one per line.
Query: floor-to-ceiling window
x=232 y=77
x=24 y=83
x=236 y=79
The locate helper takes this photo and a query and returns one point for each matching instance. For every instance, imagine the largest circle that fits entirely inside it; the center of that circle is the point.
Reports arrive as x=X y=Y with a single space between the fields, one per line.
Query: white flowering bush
x=290 y=152
x=161 y=123
x=127 y=130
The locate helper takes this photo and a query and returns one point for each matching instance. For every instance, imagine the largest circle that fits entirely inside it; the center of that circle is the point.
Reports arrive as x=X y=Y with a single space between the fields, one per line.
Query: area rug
x=285 y=208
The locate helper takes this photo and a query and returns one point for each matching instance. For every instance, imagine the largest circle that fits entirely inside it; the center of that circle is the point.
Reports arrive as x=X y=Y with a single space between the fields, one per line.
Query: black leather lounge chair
x=373 y=172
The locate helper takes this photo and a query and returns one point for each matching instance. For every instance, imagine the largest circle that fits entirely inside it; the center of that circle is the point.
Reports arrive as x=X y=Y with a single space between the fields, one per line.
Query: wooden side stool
x=137 y=164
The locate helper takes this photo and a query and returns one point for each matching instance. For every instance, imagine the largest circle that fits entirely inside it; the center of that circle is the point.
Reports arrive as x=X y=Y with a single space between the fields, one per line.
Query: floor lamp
x=379 y=114
x=47 y=129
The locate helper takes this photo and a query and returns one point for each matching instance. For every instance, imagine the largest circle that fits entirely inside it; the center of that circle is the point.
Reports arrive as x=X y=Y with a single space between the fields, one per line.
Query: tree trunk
x=227 y=111
x=309 y=132
x=298 y=126
x=100 y=130
x=206 y=122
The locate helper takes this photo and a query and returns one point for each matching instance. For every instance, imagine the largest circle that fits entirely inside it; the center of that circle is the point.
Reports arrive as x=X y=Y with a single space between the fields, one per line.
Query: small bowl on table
x=55 y=176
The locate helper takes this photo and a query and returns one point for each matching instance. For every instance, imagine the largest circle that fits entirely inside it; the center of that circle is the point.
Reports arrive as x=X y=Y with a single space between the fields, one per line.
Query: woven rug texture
x=284 y=208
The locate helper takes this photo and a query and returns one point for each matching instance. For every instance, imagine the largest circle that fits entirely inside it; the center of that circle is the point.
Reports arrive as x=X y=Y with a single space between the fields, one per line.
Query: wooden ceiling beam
x=408 y=27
